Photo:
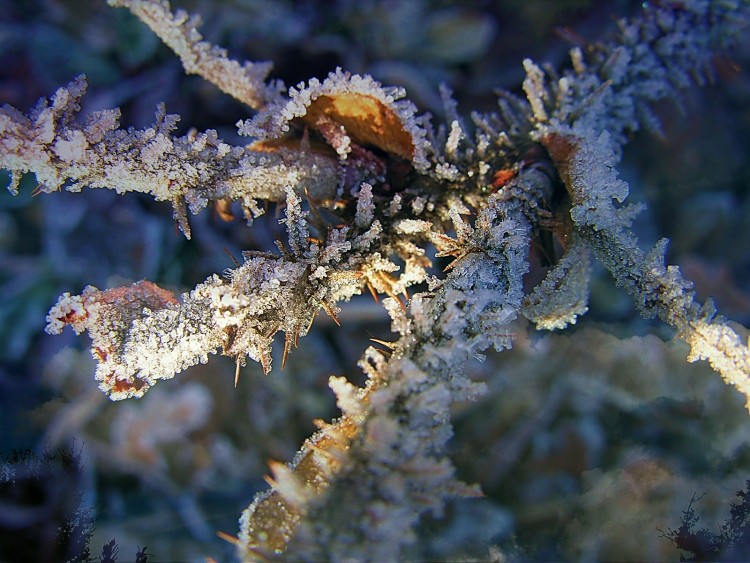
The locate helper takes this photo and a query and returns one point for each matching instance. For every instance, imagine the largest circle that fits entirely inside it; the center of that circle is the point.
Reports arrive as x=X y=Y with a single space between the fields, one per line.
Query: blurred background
x=590 y=441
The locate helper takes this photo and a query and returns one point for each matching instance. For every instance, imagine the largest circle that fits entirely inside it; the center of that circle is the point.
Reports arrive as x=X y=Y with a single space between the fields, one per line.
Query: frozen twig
x=244 y=82
x=187 y=171
x=389 y=448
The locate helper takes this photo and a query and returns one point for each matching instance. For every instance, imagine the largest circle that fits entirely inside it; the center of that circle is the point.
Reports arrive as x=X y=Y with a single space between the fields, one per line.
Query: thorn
x=450 y=266
x=271 y=483
x=314 y=210
x=304 y=145
x=337 y=435
x=179 y=214
x=386 y=354
x=331 y=312
x=285 y=252
x=322 y=451
x=232 y=258
x=234 y=540
x=372 y=292
x=277 y=466
x=36 y=191
x=331 y=461
x=309 y=326
x=390 y=345
x=287 y=347
x=320 y=424
x=237 y=372
x=274 y=329
x=567 y=34
x=265 y=363
x=248 y=254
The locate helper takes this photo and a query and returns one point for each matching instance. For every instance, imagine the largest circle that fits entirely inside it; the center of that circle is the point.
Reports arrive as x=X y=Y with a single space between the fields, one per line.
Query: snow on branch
x=582 y=119
x=139 y=340
x=612 y=85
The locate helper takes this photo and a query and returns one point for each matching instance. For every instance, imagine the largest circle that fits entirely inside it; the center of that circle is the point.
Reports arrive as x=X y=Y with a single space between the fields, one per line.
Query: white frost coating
x=563 y=294
x=399 y=464
x=188 y=170
x=533 y=86
x=724 y=349
x=245 y=82
x=66 y=307
x=273 y=121
x=365 y=213
x=348 y=397
x=73 y=148
x=585 y=164
x=454 y=137
x=412 y=226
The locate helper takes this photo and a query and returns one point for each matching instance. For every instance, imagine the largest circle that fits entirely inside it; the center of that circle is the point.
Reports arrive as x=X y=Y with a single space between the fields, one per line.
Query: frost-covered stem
x=662 y=291
x=585 y=168
x=582 y=119
x=244 y=82
x=395 y=467
x=612 y=86
x=188 y=171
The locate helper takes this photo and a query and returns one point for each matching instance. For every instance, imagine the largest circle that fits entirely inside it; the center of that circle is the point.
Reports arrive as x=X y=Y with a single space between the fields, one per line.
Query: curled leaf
x=346 y=106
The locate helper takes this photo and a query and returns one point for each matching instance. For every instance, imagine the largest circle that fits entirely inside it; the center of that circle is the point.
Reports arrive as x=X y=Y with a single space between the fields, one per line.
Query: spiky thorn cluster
x=383 y=463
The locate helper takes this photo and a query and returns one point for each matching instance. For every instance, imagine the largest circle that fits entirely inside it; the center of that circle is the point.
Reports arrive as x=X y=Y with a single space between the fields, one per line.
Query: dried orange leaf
x=369 y=113
x=367 y=121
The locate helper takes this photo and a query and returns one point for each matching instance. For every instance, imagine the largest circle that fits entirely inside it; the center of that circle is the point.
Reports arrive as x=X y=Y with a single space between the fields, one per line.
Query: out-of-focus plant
x=520 y=200
x=731 y=543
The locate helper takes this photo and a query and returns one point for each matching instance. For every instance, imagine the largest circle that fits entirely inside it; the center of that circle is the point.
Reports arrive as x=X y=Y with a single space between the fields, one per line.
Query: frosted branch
x=658 y=290
x=383 y=463
x=186 y=171
x=563 y=294
x=613 y=85
x=244 y=82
